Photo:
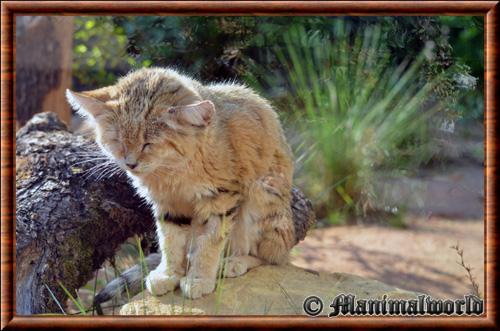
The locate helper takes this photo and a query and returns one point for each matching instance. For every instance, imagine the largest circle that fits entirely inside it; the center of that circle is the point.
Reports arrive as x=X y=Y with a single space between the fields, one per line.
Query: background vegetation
x=359 y=97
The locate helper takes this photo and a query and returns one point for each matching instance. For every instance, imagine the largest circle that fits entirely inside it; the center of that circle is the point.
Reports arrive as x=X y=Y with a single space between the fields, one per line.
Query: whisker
x=105 y=172
x=90 y=160
x=117 y=171
x=89 y=151
x=90 y=172
x=100 y=164
x=109 y=171
x=93 y=151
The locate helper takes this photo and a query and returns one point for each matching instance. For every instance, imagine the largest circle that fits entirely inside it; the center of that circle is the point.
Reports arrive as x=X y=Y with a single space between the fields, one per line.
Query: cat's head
x=147 y=119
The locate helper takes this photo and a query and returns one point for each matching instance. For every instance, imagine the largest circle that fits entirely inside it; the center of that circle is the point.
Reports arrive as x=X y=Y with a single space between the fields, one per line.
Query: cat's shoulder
x=234 y=89
x=235 y=95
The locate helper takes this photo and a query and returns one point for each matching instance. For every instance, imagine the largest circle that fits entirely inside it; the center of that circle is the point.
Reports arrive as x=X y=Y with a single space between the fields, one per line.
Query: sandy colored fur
x=199 y=164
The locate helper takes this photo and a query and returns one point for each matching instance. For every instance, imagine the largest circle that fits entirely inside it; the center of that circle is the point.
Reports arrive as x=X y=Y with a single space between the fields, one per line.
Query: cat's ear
x=198 y=114
x=89 y=104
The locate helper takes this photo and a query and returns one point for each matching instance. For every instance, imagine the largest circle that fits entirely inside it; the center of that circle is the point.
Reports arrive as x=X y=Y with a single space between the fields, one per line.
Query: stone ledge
x=266 y=290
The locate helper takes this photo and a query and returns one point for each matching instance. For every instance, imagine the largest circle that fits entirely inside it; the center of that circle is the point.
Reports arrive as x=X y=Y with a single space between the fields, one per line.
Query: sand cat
x=214 y=165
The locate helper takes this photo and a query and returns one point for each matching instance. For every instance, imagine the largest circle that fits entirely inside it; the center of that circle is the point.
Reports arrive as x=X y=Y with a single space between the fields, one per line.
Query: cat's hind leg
x=236 y=266
x=278 y=238
x=242 y=242
x=276 y=224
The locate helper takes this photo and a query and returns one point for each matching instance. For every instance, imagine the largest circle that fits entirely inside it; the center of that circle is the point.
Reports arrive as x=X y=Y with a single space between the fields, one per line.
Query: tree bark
x=43 y=66
x=69 y=222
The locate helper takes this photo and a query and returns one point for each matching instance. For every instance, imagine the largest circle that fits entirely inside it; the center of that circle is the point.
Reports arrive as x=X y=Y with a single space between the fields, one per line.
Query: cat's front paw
x=234 y=267
x=159 y=283
x=194 y=288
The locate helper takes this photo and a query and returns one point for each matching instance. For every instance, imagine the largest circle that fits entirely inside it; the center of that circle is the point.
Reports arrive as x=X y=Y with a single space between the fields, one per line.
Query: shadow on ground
x=418 y=258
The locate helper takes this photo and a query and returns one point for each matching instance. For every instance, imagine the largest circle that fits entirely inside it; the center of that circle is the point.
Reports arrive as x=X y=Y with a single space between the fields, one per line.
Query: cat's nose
x=131 y=165
x=130 y=161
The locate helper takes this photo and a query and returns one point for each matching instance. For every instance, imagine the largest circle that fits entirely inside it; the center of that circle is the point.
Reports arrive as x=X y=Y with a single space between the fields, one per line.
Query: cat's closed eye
x=145 y=146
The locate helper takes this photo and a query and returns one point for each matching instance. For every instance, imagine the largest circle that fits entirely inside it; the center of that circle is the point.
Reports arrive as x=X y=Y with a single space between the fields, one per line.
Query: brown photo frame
x=487 y=9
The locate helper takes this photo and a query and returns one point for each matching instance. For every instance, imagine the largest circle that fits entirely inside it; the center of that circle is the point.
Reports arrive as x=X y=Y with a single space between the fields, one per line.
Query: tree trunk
x=68 y=221
x=43 y=66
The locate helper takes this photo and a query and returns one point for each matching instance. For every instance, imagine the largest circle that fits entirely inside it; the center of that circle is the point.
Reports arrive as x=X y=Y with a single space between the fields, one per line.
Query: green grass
x=91 y=287
x=219 y=287
x=144 y=271
x=55 y=299
x=348 y=114
x=76 y=301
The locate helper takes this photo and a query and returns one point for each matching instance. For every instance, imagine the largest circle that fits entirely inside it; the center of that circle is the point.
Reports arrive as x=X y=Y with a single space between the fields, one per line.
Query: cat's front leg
x=172 y=239
x=209 y=238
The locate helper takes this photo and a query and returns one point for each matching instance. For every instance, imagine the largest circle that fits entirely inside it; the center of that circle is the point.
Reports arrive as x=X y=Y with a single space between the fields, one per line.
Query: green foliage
x=52 y=295
x=409 y=36
x=336 y=217
x=351 y=113
x=222 y=48
x=466 y=34
x=208 y=47
x=358 y=94
x=76 y=301
x=201 y=46
x=397 y=220
x=98 y=46
x=99 y=52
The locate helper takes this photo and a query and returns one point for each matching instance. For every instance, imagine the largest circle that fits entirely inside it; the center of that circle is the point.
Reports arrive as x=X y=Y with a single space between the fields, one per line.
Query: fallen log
x=70 y=218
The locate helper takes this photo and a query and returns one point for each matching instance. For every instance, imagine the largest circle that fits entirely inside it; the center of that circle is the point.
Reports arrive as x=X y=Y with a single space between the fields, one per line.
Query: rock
x=266 y=290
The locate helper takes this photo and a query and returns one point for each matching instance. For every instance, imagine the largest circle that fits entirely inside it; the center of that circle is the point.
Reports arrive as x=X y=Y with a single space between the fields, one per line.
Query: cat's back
x=252 y=126
x=235 y=102
x=231 y=97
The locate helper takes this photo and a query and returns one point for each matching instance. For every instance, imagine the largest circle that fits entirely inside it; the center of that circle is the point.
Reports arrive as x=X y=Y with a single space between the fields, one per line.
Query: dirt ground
x=419 y=256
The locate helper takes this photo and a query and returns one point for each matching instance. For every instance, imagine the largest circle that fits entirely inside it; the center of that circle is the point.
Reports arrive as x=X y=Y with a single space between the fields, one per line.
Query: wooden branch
x=67 y=222
x=43 y=66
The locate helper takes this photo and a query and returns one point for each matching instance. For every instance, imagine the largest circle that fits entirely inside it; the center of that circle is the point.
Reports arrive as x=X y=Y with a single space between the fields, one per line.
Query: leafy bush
x=98 y=52
x=352 y=113
x=222 y=48
x=466 y=34
x=452 y=77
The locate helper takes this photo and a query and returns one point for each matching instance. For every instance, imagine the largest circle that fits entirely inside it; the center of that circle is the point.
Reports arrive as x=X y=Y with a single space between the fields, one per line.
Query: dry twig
x=468 y=269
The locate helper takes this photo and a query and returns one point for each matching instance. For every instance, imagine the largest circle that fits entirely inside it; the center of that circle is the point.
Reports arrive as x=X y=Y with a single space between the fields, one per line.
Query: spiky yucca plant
x=351 y=113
